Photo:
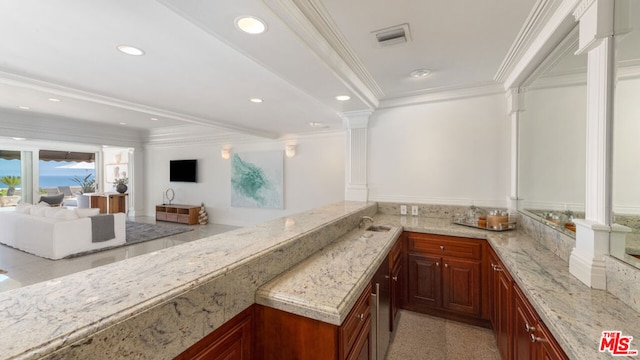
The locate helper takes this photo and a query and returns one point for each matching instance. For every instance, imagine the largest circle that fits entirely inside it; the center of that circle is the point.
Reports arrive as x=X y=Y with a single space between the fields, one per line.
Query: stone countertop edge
x=575 y=314
x=39 y=319
x=326 y=286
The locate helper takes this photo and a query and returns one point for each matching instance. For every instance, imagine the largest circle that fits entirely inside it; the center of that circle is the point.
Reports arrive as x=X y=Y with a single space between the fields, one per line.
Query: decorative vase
x=121 y=188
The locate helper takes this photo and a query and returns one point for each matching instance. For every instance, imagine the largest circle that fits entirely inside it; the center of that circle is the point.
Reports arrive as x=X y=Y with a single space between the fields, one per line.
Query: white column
x=592 y=234
x=356 y=123
x=514 y=107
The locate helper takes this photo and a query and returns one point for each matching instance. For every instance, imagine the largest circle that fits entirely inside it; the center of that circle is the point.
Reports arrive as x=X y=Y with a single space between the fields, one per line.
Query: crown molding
x=582 y=8
x=438 y=95
x=36 y=126
x=189 y=135
x=537 y=18
x=12 y=79
x=312 y=23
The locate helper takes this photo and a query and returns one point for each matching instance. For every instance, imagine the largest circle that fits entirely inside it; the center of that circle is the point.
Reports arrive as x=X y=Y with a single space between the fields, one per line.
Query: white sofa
x=54 y=232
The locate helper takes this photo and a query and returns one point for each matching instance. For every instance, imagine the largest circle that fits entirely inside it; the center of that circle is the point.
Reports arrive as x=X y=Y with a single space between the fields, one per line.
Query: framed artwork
x=257 y=180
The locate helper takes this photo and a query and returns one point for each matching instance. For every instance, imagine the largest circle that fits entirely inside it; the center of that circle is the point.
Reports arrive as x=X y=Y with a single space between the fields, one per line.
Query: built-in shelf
x=185 y=214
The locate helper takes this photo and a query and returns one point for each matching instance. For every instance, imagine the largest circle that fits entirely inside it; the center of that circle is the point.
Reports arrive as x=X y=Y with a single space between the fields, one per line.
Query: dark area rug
x=137 y=232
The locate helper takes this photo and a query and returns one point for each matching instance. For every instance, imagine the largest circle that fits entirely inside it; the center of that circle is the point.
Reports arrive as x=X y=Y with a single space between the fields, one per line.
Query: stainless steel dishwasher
x=380 y=312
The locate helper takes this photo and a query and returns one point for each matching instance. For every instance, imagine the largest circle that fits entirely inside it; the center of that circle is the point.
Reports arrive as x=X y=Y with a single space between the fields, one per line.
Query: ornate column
x=356 y=123
x=592 y=234
x=515 y=105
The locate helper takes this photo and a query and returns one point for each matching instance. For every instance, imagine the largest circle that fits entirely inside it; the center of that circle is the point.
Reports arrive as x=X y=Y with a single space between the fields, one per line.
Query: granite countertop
x=326 y=286
x=575 y=314
x=170 y=298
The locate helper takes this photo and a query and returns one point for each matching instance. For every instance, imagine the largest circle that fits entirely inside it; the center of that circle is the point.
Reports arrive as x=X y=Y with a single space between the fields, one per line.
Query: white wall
x=314 y=177
x=449 y=152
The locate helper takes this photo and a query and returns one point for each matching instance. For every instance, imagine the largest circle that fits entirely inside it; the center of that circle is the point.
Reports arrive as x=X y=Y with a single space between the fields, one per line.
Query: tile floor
x=424 y=337
x=24 y=269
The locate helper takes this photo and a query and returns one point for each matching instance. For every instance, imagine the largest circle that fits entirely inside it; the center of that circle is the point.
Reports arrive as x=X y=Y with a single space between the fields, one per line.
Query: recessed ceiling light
x=317 y=124
x=251 y=25
x=255 y=100
x=130 y=50
x=54 y=100
x=343 y=97
x=18 y=138
x=123 y=123
x=153 y=119
x=24 y=107
x=420 y=73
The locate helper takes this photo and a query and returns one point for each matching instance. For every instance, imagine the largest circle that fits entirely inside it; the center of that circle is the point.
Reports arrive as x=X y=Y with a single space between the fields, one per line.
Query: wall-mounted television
x=183 y=170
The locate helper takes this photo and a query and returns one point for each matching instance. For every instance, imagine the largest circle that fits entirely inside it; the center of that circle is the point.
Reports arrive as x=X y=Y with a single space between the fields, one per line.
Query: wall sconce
x=290 y=150
x=225 y=152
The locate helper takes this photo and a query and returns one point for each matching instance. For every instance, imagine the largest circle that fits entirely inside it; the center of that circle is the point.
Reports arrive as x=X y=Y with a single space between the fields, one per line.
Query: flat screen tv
x=183 y=170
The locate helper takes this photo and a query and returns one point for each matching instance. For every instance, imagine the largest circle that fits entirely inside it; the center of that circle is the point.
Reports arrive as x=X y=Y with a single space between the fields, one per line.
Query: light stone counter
x=575 y=314
x=158 y=304
x=326 y=286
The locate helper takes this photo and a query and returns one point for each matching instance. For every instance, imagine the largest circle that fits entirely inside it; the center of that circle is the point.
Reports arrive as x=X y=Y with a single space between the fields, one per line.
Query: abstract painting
x=257 y=180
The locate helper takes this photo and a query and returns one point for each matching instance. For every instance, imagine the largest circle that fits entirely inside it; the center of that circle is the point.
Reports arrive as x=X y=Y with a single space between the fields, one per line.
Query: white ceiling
x=199 y=69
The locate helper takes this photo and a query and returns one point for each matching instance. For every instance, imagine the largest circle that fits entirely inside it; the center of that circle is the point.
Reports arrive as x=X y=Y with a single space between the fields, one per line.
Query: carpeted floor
x=424 y=337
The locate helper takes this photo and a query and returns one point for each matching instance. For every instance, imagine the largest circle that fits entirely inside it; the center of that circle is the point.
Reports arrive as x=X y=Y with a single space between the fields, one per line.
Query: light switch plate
x=403 y=209
x=414 y=210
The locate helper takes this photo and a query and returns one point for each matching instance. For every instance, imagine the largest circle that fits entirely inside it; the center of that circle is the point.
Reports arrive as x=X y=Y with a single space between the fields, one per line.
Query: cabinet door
x=361 y=349
x=547 y=347
x=461 y=285
x=524 y=323
x=504 y=309
x=232 y=341
x=396 y=292
x=424 y=280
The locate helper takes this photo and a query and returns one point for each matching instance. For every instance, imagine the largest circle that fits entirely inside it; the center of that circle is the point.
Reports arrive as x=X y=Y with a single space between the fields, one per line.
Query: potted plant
x=87 y=183
x=121 y=184
x=11 y=182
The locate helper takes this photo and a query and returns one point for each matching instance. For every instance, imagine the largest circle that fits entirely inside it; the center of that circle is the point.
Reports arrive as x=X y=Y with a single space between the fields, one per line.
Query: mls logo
x=616 y=344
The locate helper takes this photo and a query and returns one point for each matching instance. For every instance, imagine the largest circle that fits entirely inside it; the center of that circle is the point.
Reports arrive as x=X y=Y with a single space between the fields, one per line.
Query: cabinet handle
x=395 y=278
x=442 y=247
x=536 y=339
x=361 y=317
x=529 y=328
x=437 y=263
x=446 y=265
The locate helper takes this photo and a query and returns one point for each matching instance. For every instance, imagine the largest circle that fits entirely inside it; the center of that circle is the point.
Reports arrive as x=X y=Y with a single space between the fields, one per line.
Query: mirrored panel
x=551 y=164
x=626 y=134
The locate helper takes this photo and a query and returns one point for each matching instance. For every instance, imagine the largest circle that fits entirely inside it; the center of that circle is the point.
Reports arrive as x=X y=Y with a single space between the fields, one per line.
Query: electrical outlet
x=403 y=209
x=414 y=210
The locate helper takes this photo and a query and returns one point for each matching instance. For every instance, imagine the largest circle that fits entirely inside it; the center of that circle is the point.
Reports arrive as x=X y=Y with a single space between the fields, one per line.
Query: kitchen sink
x=378 y=228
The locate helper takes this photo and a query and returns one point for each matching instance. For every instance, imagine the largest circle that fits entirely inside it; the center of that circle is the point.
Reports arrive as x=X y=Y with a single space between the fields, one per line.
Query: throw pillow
x=51 y=212
x=86 y=212
x=24 y=208
x=39 y=210
x=66 y=215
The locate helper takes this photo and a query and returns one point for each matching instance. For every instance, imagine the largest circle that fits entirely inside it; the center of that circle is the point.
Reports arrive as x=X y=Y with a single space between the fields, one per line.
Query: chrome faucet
x=363 y=221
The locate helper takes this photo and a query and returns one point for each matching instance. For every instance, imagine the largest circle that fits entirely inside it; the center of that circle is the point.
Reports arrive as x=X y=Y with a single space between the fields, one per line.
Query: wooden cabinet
x=109 y=203
x=520 y=334
x=531 y=338
x=299 y=337
x=185 y=214
x=445 y=274
x=231 y=341
x=397 y=283
x=500 y=288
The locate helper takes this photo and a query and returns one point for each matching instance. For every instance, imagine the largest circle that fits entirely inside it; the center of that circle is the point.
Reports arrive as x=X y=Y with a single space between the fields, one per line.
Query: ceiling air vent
x=394 y=35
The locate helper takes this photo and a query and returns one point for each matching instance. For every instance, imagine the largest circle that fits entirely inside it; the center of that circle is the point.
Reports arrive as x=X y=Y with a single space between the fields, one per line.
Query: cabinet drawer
x=161 y=216
x=355 y=321
x=445 y=246
x=171 y=217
